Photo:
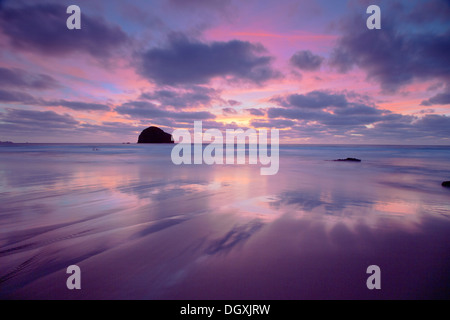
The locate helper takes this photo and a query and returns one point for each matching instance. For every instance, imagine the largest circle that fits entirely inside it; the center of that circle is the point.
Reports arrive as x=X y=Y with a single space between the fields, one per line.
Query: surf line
x=213 y=153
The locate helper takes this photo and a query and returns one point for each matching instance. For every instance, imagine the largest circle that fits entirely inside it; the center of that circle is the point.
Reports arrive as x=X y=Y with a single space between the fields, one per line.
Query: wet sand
x=140 y=227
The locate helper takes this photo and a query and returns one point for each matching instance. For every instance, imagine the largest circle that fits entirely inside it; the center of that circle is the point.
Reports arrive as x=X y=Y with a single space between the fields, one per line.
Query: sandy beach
x=140 y=227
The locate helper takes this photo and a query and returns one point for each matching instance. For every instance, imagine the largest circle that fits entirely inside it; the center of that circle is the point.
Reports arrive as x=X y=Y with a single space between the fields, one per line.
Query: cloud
x=78 y=105
x=430 y=11
x=42 y=29
x=116 y=128
x=440 y=98
x=397 y=54
x=229 y=111
x=37 y=120
x=356 y=109
x=328 y=108
x=256 y=112
x=351 y=120
x=314 y=100
x=434 y=124
x=234 y=103
x=51 y=126
x=193 y=96
x=429 y=128
x=187 y=61
x=148 y=110
x=306 y=60
x=425 y=111
x=9 y=96
x=272 y=123
x=18 y=78
x=213 y=4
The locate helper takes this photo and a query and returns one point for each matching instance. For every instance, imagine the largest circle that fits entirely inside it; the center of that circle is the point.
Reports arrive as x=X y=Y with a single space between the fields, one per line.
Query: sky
x=311 y=69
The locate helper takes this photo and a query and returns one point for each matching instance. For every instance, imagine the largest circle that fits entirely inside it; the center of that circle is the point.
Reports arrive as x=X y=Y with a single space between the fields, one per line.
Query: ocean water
x=140 y=227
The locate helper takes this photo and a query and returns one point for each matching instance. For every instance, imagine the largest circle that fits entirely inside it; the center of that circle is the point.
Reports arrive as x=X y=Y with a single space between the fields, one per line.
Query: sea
x=140 y=227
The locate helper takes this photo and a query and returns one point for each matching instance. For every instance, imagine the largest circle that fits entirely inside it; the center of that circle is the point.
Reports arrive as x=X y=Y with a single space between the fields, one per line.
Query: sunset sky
x=309 y=68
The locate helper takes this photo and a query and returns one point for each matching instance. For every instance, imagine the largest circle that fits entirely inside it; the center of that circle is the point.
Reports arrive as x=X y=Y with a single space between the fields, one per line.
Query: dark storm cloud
x=144 y=109
x=18 y=78
x=187 y=61
x=42 y=29
x=397 y=54
x=306 y=60
x=190 y=97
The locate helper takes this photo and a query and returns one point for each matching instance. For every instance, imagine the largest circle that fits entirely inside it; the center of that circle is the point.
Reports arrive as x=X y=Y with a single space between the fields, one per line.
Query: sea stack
x=349 y=159
x=154 y=135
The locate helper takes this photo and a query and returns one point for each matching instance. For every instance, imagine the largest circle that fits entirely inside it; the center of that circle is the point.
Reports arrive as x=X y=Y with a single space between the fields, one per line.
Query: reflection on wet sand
x=145 y=229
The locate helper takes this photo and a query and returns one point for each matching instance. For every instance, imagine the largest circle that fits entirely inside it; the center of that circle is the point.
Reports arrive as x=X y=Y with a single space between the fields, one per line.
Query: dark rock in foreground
x=349 y=159
x=446 y=184
x=154 y=135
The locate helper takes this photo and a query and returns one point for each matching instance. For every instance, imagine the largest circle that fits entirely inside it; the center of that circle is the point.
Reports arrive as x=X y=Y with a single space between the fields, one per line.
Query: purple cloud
x=256 y=112
x=78 y=105
x=215 y=4
x=42 y=29
x=193 y=96
x=397 y=54
x=234 y=103
x=9 y=96
x=272 y=123
x=440 y=98
x=314 y=100
x=320 y=118
x=187 y=61
x=148 y=110
x=306 y=60
x=18 y=78
x=43 y=120
x=229 y=111
x=327 y=108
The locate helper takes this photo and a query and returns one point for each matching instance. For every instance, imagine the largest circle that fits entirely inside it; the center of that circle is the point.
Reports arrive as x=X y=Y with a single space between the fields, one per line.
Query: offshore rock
x=349 y=159
x=154 y=135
